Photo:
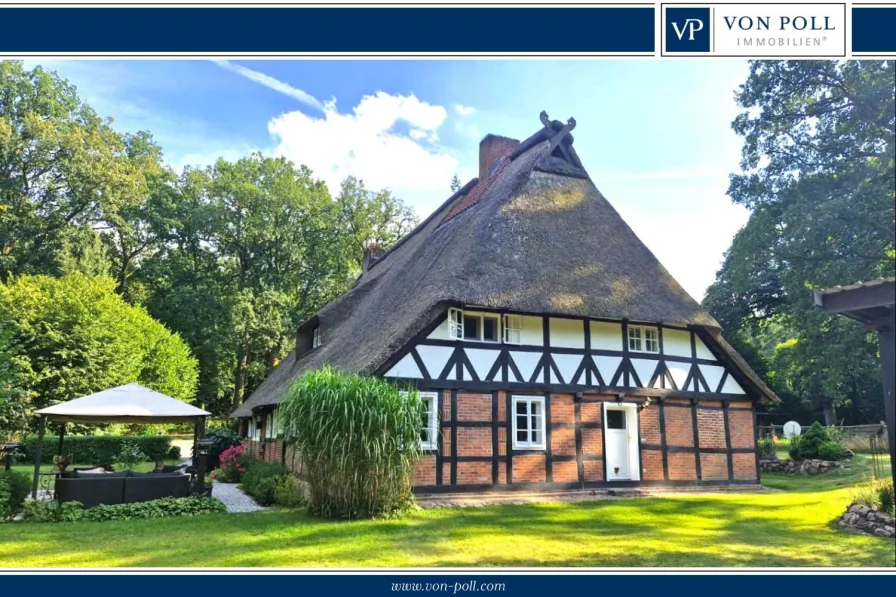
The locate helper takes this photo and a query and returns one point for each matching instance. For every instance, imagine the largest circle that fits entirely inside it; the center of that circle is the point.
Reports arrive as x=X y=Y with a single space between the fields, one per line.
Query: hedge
x=96 y=449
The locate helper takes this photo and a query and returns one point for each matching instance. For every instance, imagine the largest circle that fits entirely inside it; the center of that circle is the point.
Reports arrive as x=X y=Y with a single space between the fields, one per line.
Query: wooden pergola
x=872 y=304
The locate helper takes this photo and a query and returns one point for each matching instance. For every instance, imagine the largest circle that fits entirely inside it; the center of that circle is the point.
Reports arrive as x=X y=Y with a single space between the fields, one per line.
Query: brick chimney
x=371 y=254
x=491 y=149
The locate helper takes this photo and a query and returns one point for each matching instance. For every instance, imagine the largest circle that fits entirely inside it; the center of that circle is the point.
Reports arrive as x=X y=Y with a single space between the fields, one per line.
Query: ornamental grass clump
x=358 y=438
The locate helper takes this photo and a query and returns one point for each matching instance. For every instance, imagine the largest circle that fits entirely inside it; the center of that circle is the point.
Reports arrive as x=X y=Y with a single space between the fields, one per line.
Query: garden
x=332 y=517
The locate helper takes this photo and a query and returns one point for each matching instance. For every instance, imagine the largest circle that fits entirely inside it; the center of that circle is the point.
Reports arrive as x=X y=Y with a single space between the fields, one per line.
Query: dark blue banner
x=874 y=29
x=460 y=583
x=239 y=30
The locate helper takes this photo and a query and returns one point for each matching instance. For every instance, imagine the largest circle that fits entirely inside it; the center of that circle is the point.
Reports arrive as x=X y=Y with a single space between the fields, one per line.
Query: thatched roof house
x=555 y=292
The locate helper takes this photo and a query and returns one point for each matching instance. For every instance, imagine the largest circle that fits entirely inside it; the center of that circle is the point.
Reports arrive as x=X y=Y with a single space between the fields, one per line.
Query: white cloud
x=464 y=110
x=368 y=143
x=272 y=83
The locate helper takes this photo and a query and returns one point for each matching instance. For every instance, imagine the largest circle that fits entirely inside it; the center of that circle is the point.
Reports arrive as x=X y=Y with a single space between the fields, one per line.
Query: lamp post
x=203 y=446
x=9 y=450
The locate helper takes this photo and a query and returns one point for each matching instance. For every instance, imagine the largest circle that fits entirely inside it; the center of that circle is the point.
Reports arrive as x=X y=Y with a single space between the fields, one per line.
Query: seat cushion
x=100 y=474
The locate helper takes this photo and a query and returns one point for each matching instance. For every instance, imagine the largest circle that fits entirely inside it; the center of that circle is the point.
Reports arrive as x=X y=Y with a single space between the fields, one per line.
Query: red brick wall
x=649 y=424
x=474 y=407
x=711 y=428
x=424 y=470
x=740 y=424
x=679 y=426
x=714 y=467
x=744 y=466
x=531 y=466
x=652 y=465
x=682 y=466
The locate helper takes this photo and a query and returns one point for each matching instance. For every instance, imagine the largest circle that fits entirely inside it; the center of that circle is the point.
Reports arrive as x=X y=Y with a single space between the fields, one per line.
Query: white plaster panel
x=607 y=366
x=676 y=342
x=406 y=367
x=606 y=335
x=435 y=358
x=567 y=364
x=567 y=333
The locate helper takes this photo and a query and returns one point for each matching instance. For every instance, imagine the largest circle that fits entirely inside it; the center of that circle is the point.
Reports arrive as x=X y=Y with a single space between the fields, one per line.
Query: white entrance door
x=621 y=429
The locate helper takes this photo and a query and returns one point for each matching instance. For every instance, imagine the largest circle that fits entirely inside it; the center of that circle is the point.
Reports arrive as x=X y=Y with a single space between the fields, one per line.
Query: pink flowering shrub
x=232 y=465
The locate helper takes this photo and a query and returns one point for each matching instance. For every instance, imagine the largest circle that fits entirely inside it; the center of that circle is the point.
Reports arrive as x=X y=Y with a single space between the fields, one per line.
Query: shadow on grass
x=728 y=530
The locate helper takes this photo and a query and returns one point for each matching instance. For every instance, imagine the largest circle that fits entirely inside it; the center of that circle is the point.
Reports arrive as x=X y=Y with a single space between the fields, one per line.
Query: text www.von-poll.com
x=456 y=588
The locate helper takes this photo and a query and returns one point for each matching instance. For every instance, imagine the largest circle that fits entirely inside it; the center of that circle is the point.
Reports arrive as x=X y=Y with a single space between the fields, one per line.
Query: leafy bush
x=223 y=439
x=173 y=453
x=359 y=438
x=129 y=456
x=53 y=511
x=97 y=449
x=14 y=488
x=289 y=492
x=830 y=451
x=75 y=335
x=815 y=443
x=265 y=491
x=254 y=479
x=162 y=508
x=766 y=447
x=232 y=465
x=876 y=493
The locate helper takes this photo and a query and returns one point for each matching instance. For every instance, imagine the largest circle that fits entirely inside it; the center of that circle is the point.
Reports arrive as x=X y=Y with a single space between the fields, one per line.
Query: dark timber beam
x=843 y=301
x=38 y=448
x=874 y=305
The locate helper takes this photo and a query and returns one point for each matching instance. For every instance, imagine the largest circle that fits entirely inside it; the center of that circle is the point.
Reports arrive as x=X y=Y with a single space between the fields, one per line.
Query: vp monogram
x=691 y=26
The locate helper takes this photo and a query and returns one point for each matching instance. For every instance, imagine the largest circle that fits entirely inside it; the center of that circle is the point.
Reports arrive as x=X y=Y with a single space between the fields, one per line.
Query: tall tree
x=61 y=167
x=455 y=184
x=818 y=177
x=369 y=218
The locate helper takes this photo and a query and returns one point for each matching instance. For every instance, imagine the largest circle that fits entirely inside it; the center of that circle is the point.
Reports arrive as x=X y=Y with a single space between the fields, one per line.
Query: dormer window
x=643 y=339
x=315 y=337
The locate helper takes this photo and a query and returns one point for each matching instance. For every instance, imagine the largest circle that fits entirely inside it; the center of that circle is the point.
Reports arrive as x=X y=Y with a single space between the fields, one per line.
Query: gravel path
x=234 y=498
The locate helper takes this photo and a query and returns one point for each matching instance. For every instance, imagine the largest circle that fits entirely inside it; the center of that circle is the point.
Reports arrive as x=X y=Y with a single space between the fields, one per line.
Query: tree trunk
x=830 y=413
x=239 y=382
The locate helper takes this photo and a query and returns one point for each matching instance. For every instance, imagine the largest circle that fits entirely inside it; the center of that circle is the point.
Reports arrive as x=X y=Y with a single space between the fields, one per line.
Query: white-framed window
x=315 y=337
x=643 y=339
x=474 y=327
x=429 y=433
x=455 y=324
x=528 y=423
x=429 y=426
x=513 y=329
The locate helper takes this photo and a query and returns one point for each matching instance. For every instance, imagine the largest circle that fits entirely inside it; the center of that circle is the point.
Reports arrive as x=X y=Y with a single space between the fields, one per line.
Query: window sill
x=529 y=448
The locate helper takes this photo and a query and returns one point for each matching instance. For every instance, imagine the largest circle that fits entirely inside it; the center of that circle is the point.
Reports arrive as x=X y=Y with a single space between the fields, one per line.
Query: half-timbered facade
x=550 y=347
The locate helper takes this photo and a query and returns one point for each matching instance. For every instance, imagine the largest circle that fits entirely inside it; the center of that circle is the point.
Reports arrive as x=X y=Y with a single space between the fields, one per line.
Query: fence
x=858 y=438
x=867 y=439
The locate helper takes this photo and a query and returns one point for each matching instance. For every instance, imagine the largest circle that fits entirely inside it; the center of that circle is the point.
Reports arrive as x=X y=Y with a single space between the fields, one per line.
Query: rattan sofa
x=93 y=489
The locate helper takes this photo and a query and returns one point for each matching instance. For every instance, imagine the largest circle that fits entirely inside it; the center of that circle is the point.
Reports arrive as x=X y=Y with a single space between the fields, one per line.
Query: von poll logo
x=687 y=29
x=755 y=30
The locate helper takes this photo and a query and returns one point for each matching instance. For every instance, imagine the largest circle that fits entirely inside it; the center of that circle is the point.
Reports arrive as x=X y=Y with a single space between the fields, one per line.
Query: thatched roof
x=539 y=238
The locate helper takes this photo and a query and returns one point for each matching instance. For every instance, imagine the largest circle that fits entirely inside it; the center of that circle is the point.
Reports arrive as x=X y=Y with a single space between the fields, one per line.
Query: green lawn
x=786 y=528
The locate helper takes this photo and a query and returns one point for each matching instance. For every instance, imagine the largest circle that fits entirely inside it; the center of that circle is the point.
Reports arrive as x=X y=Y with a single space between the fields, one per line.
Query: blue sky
x=655 y=135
